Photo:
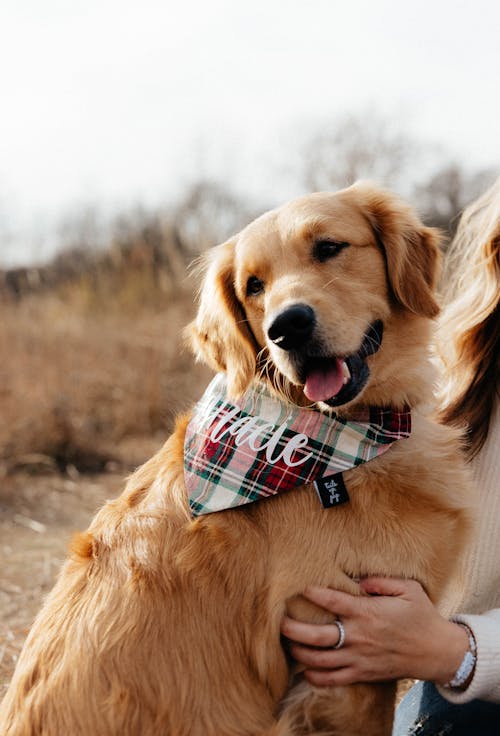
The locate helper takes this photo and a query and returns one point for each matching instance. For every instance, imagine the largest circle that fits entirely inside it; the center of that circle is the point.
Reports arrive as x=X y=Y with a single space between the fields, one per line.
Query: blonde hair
x=468 y=335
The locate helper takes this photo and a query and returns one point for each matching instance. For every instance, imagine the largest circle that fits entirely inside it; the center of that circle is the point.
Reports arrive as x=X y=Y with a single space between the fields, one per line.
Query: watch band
x=468 y=662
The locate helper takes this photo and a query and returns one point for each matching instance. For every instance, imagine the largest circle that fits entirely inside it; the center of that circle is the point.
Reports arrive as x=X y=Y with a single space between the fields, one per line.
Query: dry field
x=73 y=385
x=88 y=390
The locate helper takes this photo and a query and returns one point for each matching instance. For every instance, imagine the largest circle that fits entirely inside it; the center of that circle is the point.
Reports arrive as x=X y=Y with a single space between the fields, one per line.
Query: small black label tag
x=332 y=490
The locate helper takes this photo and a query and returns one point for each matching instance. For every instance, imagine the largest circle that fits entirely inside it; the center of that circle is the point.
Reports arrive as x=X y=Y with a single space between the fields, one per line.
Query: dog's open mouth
x=336 y=381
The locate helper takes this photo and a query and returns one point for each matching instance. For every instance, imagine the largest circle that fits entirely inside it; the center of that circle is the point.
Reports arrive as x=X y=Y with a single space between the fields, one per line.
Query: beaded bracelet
x=468 y=662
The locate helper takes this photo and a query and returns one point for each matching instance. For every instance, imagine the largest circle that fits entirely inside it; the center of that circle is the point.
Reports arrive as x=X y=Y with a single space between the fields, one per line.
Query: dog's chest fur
x=383 y=529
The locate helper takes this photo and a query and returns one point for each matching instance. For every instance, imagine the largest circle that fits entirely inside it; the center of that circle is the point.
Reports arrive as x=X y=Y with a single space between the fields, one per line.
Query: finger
x=314 y=635
x=389 y=586
x=325 y=659
x=335 y=601
x=325 y=678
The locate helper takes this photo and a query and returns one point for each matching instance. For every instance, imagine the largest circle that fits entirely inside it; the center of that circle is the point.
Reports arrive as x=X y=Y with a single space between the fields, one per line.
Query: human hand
x=392 y=633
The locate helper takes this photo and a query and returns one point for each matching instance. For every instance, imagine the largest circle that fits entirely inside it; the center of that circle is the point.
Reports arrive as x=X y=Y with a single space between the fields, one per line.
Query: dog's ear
x=411 y=249
x=220 y=334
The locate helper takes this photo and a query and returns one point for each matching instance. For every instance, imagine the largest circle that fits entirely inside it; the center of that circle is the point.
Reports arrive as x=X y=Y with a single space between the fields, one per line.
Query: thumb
x=386 y=586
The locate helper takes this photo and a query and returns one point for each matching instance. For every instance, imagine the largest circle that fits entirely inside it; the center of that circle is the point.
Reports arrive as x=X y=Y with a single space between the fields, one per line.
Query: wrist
x=455 y=650
x=465 y=672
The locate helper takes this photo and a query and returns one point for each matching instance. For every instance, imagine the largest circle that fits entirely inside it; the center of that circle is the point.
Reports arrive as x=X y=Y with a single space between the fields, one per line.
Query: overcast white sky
x=114 y=102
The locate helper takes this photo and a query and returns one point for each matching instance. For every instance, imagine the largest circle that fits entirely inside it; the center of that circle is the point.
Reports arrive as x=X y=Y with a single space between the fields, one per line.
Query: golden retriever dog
x=161 y=624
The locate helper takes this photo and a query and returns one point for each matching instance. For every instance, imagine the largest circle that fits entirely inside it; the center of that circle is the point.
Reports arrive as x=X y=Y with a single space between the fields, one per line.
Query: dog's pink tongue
x=322 y=384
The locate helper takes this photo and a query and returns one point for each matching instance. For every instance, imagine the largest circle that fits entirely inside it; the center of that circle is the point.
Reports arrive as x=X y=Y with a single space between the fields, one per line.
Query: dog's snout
x=292 y=327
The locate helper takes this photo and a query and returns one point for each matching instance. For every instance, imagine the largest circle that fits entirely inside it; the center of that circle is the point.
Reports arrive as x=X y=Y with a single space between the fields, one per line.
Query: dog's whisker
x=329 y=283
x=277 y=381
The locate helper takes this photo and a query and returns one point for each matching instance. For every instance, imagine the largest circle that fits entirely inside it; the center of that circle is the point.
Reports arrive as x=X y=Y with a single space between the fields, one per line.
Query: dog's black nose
x=292 y=327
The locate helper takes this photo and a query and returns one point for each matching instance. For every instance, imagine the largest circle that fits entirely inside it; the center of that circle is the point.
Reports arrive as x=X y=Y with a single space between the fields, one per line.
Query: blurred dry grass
x=91 y=362
x=73 y=385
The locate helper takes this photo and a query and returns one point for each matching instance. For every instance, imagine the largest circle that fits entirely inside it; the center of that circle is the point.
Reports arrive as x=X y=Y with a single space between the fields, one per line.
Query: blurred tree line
x=143 y=253
x=369 y=148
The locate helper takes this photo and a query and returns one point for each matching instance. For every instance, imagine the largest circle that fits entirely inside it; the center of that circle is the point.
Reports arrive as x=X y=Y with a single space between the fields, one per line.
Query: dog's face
x=315 y=295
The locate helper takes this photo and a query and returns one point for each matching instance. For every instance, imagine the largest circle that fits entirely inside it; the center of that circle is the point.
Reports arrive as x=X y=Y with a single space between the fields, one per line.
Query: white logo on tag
x=331 y=487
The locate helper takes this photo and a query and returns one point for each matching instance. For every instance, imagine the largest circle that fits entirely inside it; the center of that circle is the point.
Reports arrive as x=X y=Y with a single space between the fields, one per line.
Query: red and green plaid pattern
x=238 y=453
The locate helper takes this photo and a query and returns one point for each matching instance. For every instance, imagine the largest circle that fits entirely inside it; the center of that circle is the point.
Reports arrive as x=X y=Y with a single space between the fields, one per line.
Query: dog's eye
x=325 y=249
x=254 y=286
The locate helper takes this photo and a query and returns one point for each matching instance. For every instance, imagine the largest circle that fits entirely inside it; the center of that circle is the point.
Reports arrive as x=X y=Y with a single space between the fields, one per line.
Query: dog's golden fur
x=161 y=624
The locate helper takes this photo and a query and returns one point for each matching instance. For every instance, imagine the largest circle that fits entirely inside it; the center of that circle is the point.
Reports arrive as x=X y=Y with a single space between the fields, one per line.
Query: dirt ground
x=39 y=513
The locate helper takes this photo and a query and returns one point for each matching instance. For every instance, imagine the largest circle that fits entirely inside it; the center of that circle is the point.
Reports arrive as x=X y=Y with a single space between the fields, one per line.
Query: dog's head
x=328 y=297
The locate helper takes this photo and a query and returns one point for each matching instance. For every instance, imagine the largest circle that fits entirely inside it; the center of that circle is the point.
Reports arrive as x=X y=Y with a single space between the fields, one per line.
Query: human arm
x=392 y=633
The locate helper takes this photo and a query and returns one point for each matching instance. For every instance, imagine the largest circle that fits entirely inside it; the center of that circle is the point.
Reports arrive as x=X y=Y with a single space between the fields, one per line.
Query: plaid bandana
x=238 y=453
